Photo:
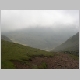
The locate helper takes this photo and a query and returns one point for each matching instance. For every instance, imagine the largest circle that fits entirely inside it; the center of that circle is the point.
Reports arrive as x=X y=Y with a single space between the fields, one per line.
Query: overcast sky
x=14 y=19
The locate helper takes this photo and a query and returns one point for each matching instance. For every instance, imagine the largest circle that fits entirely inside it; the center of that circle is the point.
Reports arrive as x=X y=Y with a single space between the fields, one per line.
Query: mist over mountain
x=17 y=19
x=42 y=38
x=42 y=29
x=72 y=44
x=5 y=38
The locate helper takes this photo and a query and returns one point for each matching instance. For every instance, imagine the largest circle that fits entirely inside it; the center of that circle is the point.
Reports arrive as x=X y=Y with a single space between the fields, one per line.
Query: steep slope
x=14 y=51
x=17 y=56
x=72 y=44
x=5 y=38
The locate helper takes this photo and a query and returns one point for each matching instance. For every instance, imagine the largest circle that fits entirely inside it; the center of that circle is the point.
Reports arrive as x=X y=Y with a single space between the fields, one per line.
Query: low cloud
x=14 y=19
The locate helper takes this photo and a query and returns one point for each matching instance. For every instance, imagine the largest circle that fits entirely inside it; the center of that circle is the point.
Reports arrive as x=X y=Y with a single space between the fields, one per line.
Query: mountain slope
x=72 y=44
x=41 y=38
x=14 y=51
x=5 y=38
x=16 y=56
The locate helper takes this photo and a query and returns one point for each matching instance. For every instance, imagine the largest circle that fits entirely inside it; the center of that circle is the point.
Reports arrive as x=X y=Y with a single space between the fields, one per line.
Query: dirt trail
x=60 y=61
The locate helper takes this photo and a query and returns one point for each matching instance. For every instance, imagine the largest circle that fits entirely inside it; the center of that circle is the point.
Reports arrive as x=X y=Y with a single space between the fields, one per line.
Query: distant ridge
x=5 y=38
x=72 y=44
x=41 y=38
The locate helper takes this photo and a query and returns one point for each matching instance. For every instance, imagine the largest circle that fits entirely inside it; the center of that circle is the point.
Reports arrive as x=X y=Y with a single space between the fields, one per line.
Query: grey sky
x=14 y=19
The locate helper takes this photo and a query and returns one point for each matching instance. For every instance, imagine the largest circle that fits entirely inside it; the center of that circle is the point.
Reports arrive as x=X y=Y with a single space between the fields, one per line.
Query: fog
x=15 y=19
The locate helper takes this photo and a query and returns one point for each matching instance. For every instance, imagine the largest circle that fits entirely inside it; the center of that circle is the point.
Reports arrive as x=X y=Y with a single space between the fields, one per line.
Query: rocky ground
x=60 y=61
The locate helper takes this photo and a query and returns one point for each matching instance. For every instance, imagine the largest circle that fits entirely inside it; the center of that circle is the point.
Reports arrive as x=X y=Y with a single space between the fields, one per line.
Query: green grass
x=7 y=65
x=74 y=57
x=34 y=67
x=43 y=65
x=15 y=51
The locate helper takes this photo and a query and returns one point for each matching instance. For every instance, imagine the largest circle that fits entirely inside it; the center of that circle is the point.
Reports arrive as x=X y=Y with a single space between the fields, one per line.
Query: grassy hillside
x=16 y=56
x=13 y=51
